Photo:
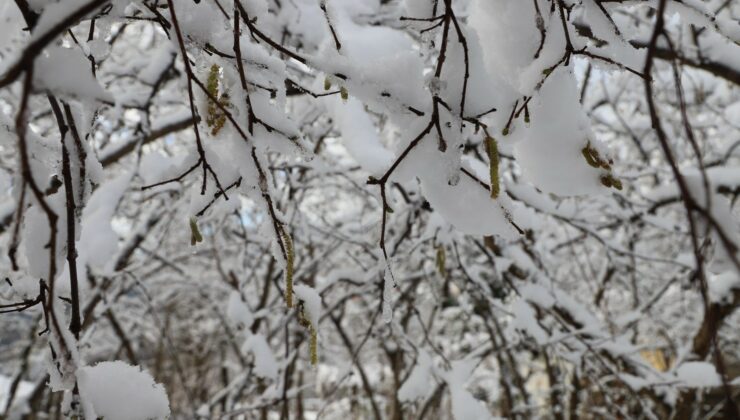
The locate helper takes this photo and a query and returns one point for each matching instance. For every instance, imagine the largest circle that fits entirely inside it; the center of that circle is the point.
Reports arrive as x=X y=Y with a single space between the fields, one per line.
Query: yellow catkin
x=313 y=346
x=344 y=93
x=212 y=88
x=657 y=359
x=594 y=160
x=327 y=84
x=617 y=184
x=195 y=235
x=304 y=322
x=215 y=118
x=441 y=260
x=586 y=152
x=212 y=84
x=609 y=181
x=289 y=257
x=220 y=120
x=493 y=157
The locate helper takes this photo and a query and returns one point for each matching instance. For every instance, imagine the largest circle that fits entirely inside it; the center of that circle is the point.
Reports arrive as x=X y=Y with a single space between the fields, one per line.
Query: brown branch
x=117 y=153
x=337 y=44
x=74 y=326
x=190 y=75
x=712 y=315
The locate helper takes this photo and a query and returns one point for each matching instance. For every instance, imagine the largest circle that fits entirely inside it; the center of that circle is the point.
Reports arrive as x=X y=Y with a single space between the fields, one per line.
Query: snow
x=419 y=384
x=538 y=295
x=359 y=136
x=698 y=374
x=54 y=12
x=723 y=285
x=265 y=364
x=311 y=302
x=616 y=48
x=98 y=242
x=119 y=391
x=199 y=21
x=573 y=229
x=526 y=321
x=238 y=311
x=99 y=49
x=466 y=205
x=634 y=382
x=155 y=166
x=732 y=112
x=37 y=233
x=375 y=56
x=11 y=24
x=510 y=37
x=387 y=296
x=66 y=71
x=464 y=405
x=549 y=150
x=160 y=60
x=24 y=389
